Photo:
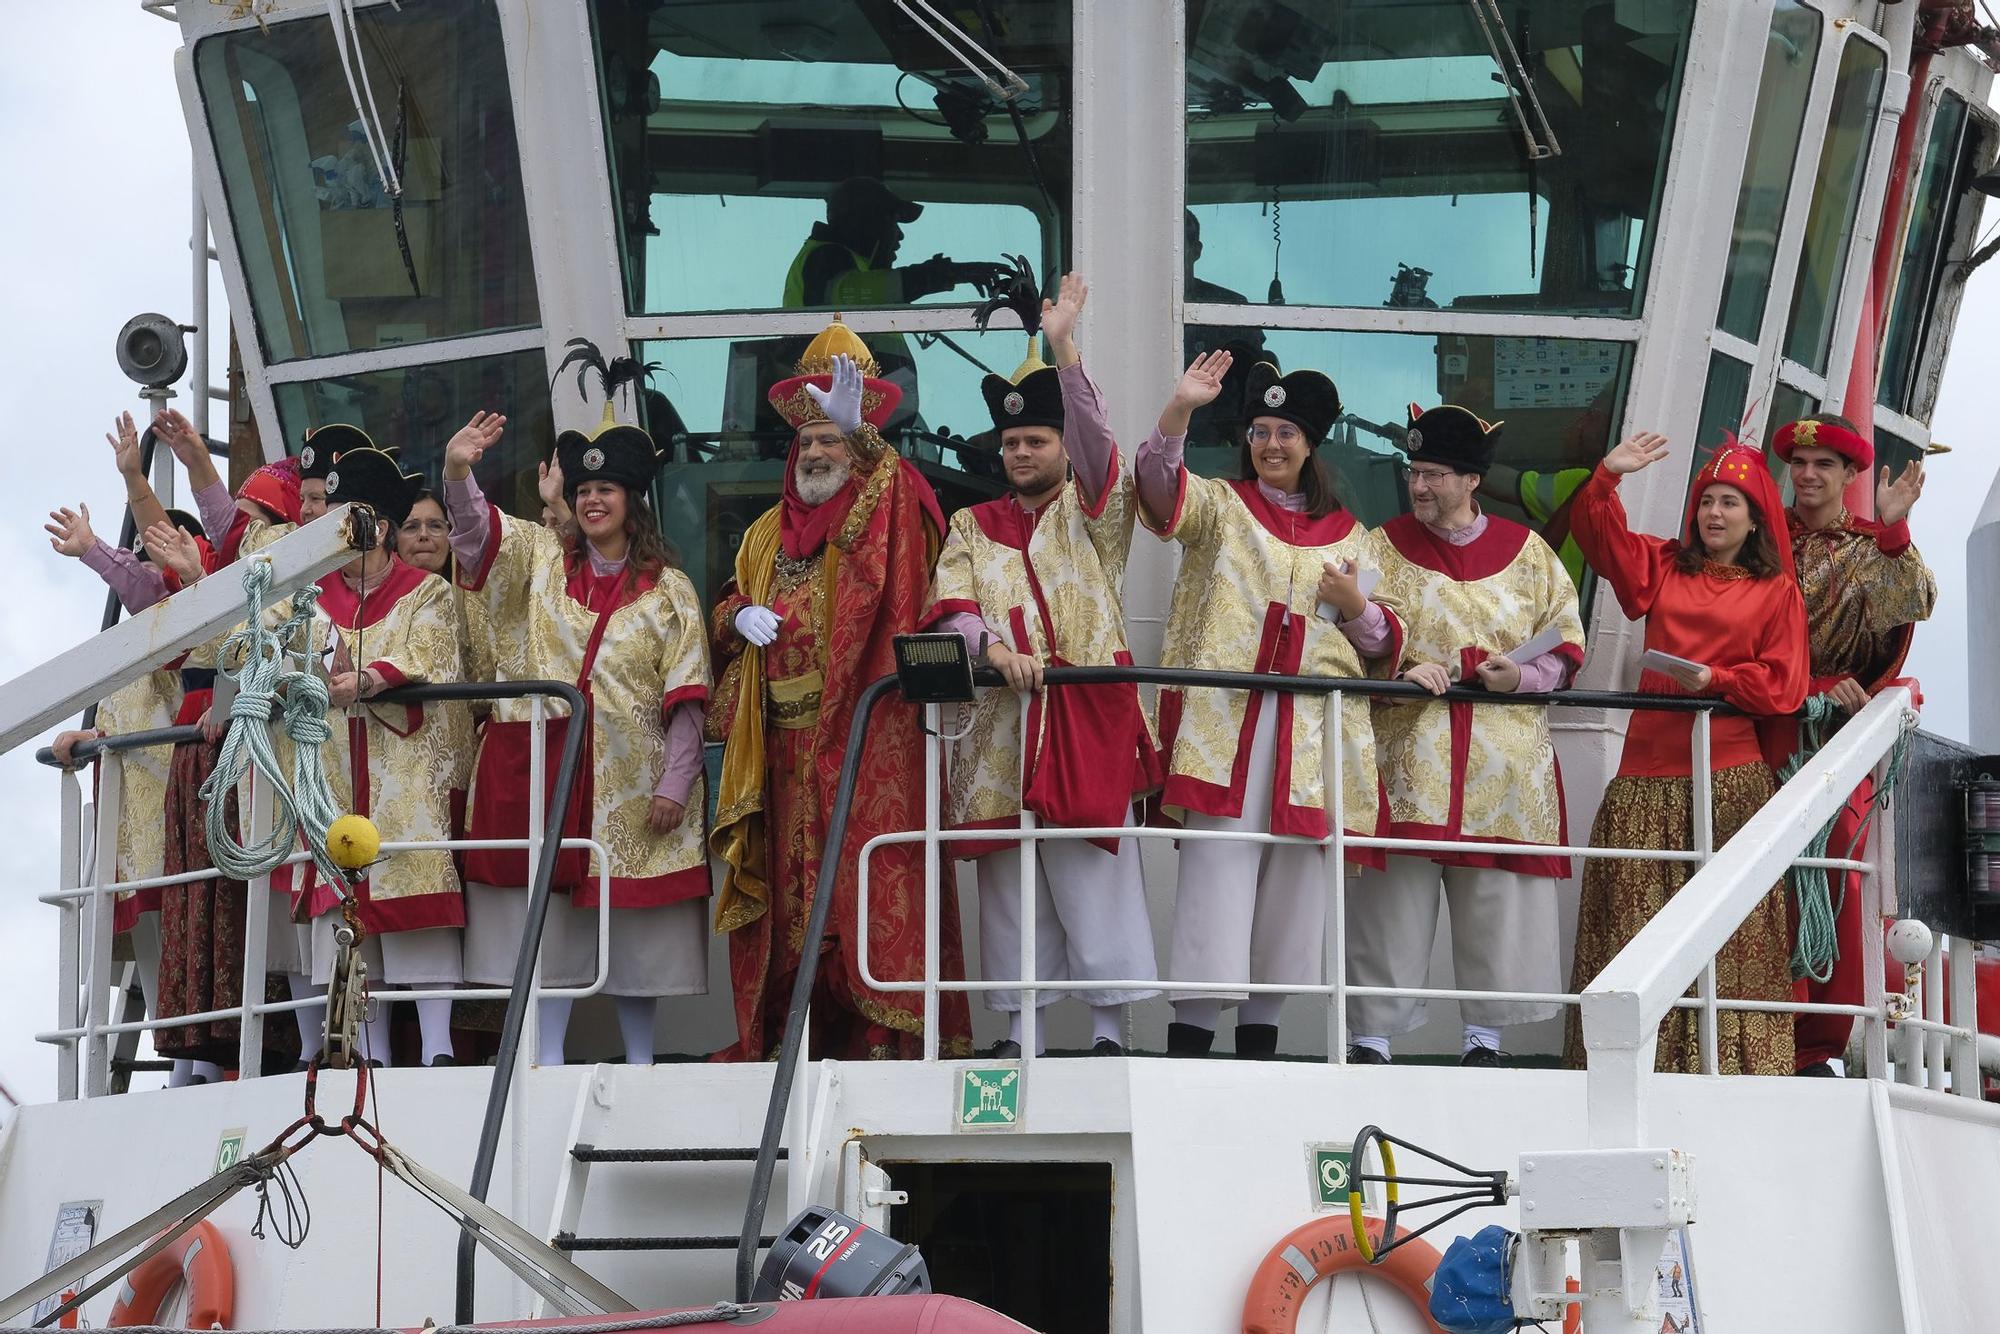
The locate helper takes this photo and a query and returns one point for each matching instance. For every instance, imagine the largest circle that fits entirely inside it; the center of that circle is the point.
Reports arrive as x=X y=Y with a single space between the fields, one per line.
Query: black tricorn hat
x=1306 y=399
x=1036 y=400
x=372 y=478
x=324 y=444
x=1453 y=437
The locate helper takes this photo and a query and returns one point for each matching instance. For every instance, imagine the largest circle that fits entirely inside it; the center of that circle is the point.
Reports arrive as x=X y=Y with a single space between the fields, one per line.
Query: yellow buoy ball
x=353 y=842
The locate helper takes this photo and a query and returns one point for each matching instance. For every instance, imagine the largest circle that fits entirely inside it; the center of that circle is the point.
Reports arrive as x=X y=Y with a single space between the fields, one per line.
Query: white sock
x=1200 y=1013
x=181 y=1075
x=1380 y=1046
x=207 y=1072
x=1015 y=1029
x=1107 y=1021
x=635 y=1025
x=553 y=1019
x=1261 y=1009
x=375 y=1031
x=434 y=1021
x=1475 y=1036
x=311 y=1020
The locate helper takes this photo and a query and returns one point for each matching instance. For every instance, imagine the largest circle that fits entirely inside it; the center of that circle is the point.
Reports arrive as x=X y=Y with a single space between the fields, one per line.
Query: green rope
x=261 y=680
x=1816 y=947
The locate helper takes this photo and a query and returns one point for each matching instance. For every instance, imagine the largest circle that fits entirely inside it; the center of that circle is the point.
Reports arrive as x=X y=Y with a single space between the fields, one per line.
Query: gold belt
x=795 y=701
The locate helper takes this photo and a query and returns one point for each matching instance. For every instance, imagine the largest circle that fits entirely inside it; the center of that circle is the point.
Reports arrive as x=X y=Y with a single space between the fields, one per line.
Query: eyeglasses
x=415 y=526
x=1287 y=435
x=1428 y=476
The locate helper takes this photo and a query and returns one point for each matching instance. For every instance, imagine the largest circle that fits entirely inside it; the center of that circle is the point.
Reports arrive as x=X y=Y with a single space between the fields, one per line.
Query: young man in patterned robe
x=1033 y=579
x=825 y=581
x=1865 y=588
x=1475 y=592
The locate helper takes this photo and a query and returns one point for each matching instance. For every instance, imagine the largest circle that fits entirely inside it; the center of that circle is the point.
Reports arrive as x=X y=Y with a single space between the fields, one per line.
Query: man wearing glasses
x=1487 y=604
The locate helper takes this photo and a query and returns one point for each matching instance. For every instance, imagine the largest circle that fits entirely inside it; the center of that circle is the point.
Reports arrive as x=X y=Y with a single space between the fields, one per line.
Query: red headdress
x=1811 y=431
x=1745 y=468
x=804 y=527
x=275 y=486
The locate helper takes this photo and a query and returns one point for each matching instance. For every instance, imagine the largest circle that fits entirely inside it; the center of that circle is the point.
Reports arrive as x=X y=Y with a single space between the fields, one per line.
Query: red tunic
x=1750 y=633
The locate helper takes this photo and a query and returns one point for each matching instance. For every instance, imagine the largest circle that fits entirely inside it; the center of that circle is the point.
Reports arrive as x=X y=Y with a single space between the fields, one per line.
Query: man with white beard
x=825 y=581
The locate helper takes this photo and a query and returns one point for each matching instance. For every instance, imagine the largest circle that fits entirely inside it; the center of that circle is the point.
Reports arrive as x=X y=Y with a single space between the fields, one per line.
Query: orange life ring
x=200 y=1258
x=1323 y=1247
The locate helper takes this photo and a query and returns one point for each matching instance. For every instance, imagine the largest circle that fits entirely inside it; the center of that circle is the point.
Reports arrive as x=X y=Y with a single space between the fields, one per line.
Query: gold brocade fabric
x=1079 y=562
x=1233 y=571
x=476 y=649
x=1620 y=897
x=654 y=647
x=1858 y=599
x=142 y=705
x=1508 y=780
x=257 y=534
x=738 y=839
x=409 y=776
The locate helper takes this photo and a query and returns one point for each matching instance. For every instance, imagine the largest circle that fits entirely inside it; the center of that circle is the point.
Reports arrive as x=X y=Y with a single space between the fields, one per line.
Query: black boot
x=1256 y=1042
x=1188 y=1040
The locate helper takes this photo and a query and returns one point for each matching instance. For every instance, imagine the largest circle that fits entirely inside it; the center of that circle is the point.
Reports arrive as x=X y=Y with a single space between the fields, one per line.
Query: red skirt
x=500 y=804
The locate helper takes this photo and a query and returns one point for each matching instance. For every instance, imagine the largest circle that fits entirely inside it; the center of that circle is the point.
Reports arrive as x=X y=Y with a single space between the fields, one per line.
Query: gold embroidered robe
x=1246 y=600
x=142 y=705
x=1462 y=770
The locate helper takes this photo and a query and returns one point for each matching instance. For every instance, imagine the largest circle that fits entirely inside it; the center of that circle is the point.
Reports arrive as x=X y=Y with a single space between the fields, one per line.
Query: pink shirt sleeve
x=1543 y=674
x=973 y=630
x=1086 y=434
x=137 y=584
x=217 y=510
x=683 y=752
x=1369 y=632
x=1158 y=470
x=471 y=519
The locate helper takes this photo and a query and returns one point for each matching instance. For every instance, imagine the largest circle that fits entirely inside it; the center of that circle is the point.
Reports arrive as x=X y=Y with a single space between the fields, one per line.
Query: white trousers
x=1248 y=910
x=429 y=957
x=1504 y=937
x=654 y=951
x=1090 y=920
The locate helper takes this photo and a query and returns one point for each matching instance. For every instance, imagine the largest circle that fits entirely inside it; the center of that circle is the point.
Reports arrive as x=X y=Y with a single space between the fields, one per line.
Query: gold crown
x=834 y=341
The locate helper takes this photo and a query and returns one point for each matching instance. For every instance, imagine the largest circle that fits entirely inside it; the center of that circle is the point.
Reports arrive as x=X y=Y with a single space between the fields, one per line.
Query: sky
x=96 y=230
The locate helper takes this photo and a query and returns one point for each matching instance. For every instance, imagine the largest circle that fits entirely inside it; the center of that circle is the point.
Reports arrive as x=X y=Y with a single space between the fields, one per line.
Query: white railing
x=1622 y=1008
x=85 y=1014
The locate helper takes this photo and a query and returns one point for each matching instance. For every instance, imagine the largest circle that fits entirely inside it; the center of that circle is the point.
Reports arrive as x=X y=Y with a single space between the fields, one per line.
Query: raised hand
x=841 y=403
x=123 y=437
x=549 y=483
x=179 y=435
x=1894 y=500
x=1201 y=382
x=471 y=443
x=172 y=547
x=69 y=530
x=1059 y=317
x=1641 y=450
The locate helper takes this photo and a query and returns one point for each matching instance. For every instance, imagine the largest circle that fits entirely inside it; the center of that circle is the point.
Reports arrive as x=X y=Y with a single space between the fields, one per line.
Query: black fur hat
x=1036 y=400
x=372 y=478
x=1306 y=399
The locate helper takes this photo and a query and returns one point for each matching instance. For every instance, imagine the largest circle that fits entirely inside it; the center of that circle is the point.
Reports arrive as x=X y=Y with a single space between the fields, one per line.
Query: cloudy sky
x=97 y=228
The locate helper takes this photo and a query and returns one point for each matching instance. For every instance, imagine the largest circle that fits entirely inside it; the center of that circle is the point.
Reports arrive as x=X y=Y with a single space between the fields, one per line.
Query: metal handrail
x=538 y=900
x=789 y=1051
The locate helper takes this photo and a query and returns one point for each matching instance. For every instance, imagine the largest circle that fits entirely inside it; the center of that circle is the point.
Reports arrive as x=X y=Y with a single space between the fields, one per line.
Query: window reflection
x=839 y=160
x=1843 y=163
x=1722 y=399
x=1561 y=401
x=1949 y=161
x=725 y=446
x=418 y=409
x=1790 y=56
x=334 y=263
x=1354 y=155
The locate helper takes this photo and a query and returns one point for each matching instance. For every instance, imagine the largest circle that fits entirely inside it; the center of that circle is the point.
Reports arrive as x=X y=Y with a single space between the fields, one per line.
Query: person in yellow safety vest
x=848 y=263
x=1544 y=497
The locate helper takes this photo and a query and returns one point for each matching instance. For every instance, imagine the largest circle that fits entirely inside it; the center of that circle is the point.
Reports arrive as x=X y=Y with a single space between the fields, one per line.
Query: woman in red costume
x=1723 y=598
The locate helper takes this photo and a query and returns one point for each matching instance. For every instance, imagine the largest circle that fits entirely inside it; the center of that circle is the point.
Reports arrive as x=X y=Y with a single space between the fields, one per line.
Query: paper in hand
x=1547 y=641
x=1667 y=664
x=1365 y=580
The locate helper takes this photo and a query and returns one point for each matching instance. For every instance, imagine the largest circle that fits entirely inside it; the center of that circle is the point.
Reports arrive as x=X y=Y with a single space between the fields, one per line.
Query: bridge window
x=725 y=447
x=419 y=407
x=1843 y=165
x=334 y=262
x=1936 y=219
x=763 y=160
x=1366 y=155
x=1790 y=55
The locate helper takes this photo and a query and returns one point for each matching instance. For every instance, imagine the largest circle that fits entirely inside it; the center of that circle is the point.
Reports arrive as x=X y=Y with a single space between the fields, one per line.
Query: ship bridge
x=1582 y=216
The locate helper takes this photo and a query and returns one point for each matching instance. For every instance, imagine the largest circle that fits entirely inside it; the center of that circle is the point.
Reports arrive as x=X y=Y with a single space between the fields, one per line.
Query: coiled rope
x=263 y=686
x=1815 y=947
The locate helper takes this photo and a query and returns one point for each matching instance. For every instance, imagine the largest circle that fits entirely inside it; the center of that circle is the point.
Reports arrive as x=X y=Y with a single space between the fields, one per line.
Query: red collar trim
x=341 y=605
x=1292 y=527
x=1481 y=558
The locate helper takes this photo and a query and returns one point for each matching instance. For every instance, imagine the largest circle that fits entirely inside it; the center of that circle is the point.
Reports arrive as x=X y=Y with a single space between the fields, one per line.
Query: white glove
x=842 y=403
x=757 y=624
